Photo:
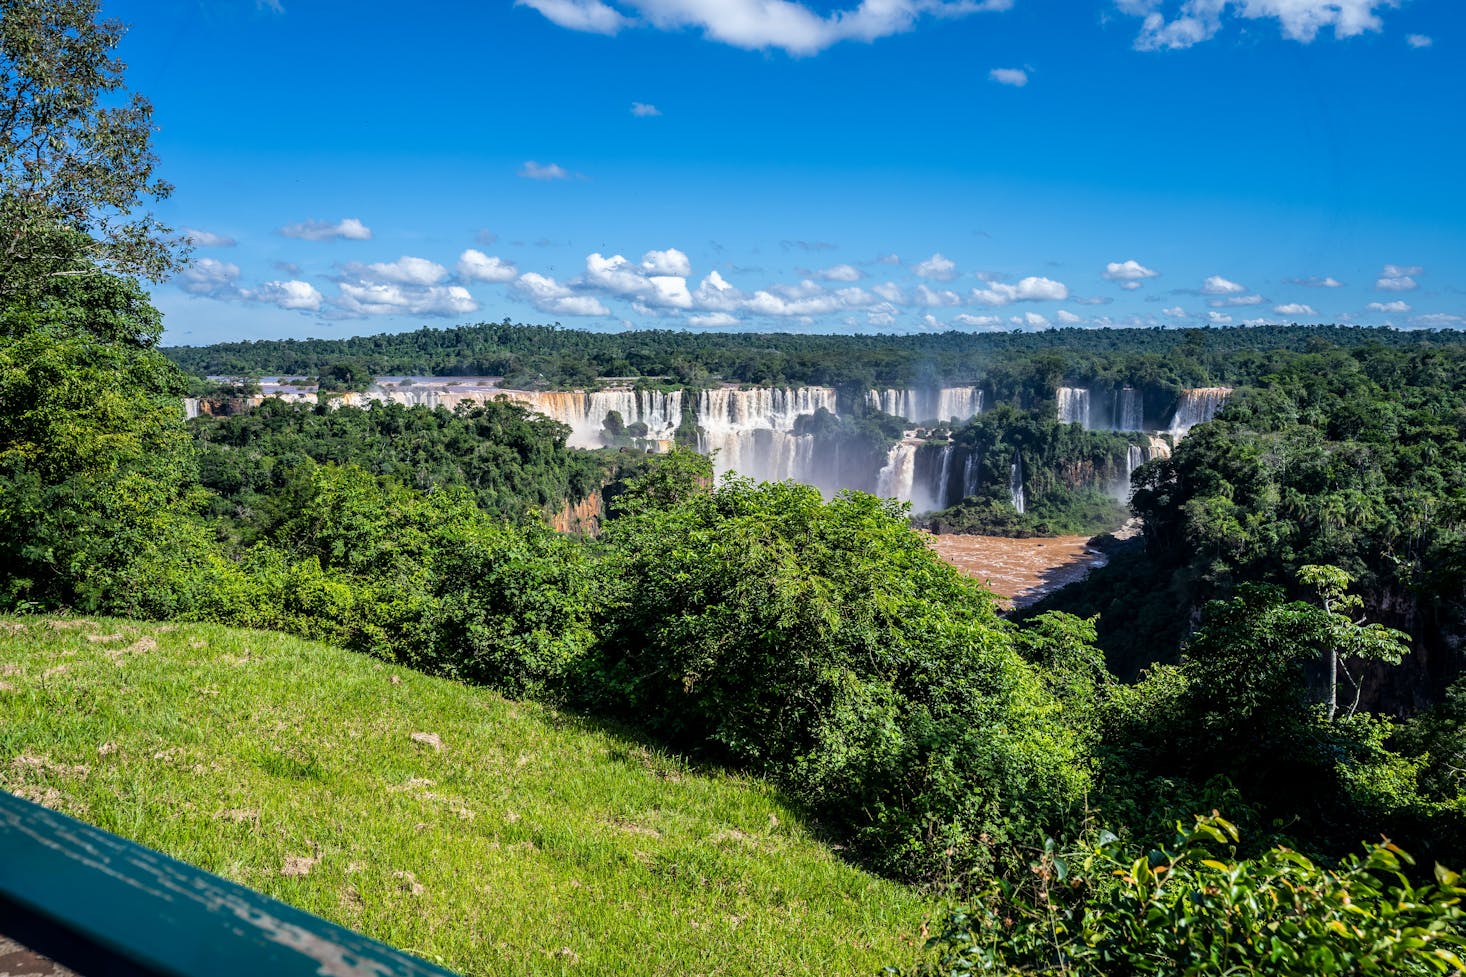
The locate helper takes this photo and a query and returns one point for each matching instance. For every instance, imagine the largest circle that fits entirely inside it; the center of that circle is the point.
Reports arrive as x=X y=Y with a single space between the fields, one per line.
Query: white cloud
x=546 y=171
x=934 y=298
x=1398 y=278
x=1219 y=318
x=1030 y=319
x=668 y=262
x=716 y=294
x=1234 y=301
x=207 y=239
x=406 y=270
x=889 y=259
x=759 y=24
x=889 y=291
x=714 y=320
x=211 y=277
x=1217 y=285
x=349 y=229
x=1016 y=77
x=1067 y=318
x=1396 y=306
x=644 y=110
x=937 y=267
x=618 y=276
x=297 y=295
x=1194 y=21
x=592 y=16
x=475 y=266
x=1418 y=40
x=548 y=295
x=1129 y=273
x=979 y=321
x=1031 y=289
x=363 y=298
x=1174 y=311
x=1438 y=320
x=1314 y=281
x=1294 y=308
x=839 y=273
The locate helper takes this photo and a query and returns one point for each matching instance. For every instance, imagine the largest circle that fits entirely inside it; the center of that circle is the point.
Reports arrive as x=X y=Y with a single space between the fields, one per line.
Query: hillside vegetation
x=496 y=837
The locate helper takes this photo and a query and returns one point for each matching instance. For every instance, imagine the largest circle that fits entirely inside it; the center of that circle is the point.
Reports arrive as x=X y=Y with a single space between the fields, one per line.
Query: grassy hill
x=494 y=837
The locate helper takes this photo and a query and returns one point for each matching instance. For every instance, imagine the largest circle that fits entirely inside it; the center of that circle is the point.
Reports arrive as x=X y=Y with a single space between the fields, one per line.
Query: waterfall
x=1134 y=458
x=1197 y=406
x=939 y=404
x=1131 y=413
x=586 y=412
x=969 y=474
x=1015 y=481
x=944 y=479
x=752 y=430
x=1073 y=406
x=896 y=479
x=190 y=408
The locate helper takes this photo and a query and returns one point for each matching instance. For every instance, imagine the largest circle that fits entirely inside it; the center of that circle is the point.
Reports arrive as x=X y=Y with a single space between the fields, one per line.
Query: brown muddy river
x=1022 y=570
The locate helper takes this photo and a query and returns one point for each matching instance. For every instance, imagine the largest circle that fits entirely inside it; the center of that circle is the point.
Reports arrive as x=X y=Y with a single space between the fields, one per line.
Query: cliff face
x=582 y=518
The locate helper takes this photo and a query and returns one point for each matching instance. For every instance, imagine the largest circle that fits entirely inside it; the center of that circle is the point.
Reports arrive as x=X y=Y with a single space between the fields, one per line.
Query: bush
x=1105 y=911
x=825 y=644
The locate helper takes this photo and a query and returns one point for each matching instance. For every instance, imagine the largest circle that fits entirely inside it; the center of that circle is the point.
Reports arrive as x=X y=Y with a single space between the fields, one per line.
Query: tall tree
x=76 y=160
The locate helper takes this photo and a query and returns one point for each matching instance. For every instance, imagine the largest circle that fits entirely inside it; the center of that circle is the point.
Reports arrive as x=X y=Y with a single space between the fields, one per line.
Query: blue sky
x=875 y=166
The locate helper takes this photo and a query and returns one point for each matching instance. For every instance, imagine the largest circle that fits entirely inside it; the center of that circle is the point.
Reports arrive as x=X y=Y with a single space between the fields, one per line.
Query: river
x=1022 y=570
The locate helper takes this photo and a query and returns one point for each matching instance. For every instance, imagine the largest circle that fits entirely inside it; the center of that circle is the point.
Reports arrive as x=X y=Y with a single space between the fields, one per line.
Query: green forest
x=1238 y=748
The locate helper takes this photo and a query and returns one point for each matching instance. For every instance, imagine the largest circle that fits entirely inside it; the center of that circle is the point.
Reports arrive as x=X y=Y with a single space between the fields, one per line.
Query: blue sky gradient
x=747 y=164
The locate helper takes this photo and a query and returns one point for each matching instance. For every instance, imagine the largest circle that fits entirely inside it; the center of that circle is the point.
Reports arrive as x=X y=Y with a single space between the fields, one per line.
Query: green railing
x=99 y=904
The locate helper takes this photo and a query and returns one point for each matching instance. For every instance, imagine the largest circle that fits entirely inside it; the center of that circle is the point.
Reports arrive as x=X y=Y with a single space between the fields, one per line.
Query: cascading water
x=1015 y=482
x=752 y=430
x=1073 y=406
x=1197 y=406
x=969 y=474
x=586 y=412
x=190 y=408
x=896 y=479
x=944 y=479
x=1135 y=457
x=939 y=404
x=1130 y=415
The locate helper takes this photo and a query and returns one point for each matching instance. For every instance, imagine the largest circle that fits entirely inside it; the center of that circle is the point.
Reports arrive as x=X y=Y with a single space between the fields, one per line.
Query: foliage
x=1354 y=459
x=96 y=474
x=1020 y=368
x=513 y=461
x=825 y=645
x=75 y=157
x=1197 y=910
x=1245 y=720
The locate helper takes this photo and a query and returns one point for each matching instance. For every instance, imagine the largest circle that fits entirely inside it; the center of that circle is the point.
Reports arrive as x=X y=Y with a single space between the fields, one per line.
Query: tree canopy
x=76 y=157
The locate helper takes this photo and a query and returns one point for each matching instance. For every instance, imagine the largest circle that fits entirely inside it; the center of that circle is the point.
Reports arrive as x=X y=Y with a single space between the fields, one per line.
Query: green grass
x=531 y=842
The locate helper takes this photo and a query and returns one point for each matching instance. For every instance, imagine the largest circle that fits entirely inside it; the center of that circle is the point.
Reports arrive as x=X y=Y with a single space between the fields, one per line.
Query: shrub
x=1106 y=912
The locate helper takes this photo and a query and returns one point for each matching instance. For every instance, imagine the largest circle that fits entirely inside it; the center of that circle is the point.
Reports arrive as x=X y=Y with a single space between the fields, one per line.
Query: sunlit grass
x=508 y=839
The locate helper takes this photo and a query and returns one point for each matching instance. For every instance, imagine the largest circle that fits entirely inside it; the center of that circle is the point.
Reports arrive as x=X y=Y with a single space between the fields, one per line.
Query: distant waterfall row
x=936 y=404
x=756 y=432
x=752 y=431
x=1126 y=409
